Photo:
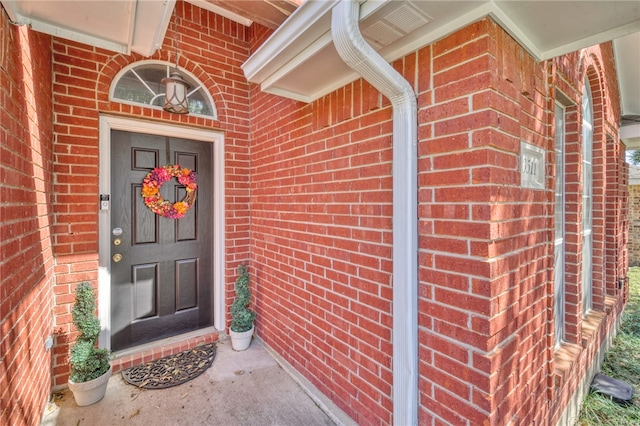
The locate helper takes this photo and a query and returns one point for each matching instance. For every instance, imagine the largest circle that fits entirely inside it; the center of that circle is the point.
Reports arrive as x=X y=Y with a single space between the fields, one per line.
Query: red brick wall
x=308 y=201
x=321 y=241
x=26 y=257
x=486 y=272
x=480 y=232
x=212 y=48
x=321 y=221
x=610 y=223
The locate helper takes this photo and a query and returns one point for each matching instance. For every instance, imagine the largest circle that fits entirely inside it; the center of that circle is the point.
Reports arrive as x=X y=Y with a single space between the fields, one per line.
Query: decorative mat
x=172 y=370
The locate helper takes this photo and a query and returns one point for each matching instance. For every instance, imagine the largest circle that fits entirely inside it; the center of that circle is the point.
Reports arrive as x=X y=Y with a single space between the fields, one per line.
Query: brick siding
x=26 y=256
x=321 y=220
x=308 y=203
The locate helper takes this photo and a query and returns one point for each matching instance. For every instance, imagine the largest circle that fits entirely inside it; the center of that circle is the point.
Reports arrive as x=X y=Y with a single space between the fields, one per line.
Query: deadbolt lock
x=117 y=242
x=117 y=257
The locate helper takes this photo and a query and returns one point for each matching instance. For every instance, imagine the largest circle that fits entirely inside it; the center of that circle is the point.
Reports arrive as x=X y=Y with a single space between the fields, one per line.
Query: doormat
x=172 y=370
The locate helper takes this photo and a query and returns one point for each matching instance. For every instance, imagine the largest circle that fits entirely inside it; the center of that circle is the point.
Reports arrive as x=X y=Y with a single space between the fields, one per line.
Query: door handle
x=117 y=257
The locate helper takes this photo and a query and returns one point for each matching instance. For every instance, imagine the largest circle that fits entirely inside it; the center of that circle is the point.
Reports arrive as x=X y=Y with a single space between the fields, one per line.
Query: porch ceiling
x=300 y=62
x=127 y=26
x=270 y=13
x=121 y=26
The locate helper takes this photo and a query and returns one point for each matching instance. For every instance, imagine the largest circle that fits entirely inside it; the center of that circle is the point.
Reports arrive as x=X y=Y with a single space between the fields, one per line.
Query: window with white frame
x=559 y=247
x=587 y=198
x=141 y=84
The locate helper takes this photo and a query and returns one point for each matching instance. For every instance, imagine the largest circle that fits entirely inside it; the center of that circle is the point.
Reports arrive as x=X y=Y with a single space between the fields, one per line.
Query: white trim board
x=108 y=123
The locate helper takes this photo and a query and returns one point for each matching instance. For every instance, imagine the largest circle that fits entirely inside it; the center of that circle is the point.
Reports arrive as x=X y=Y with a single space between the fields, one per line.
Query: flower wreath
x=151 y=191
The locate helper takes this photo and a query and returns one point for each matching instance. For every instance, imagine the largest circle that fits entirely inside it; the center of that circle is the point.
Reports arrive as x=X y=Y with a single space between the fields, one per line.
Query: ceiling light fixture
x=176 y=92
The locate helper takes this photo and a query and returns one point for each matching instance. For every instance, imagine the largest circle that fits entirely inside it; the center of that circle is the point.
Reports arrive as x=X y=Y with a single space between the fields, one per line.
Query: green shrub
x=87 y=361
x=242 y=317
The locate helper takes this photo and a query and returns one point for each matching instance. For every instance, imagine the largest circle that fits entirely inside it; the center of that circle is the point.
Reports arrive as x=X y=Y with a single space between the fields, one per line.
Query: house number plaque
x=532 y=166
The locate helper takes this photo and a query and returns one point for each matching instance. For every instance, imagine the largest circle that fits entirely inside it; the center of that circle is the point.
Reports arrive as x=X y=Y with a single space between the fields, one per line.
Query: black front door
x=161 y=268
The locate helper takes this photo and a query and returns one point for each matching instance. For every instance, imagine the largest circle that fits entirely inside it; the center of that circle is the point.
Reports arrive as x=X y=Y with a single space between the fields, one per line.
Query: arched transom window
x=141 y=84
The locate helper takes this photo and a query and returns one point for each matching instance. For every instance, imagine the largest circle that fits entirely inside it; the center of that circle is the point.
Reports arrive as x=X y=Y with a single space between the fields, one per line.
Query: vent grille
x=407 y=17
x=400 y=20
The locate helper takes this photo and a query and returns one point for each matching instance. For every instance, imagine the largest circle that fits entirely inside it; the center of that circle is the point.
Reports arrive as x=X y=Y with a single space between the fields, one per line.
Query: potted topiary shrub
x=242 y=317
x=90 y=367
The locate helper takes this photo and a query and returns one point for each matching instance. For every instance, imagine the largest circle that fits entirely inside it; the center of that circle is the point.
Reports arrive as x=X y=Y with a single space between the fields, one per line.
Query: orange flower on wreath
x=151 y=191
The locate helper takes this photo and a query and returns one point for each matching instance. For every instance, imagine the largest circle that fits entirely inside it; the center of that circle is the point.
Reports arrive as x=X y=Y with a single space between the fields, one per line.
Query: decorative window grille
x=141 y=84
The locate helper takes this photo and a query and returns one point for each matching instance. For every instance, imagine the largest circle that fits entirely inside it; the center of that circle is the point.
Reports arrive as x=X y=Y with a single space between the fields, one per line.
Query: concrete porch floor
x=252 y=387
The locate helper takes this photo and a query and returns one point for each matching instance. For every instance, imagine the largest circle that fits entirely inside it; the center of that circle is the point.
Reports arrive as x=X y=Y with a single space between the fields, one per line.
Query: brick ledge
x=155 y=350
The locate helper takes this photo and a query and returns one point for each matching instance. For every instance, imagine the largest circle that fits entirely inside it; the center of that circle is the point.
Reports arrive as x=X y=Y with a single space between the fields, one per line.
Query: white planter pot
x=87 y=393
x=240 y=341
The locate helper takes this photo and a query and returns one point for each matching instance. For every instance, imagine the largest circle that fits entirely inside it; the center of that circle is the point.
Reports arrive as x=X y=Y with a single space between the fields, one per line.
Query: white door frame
x=108 y=123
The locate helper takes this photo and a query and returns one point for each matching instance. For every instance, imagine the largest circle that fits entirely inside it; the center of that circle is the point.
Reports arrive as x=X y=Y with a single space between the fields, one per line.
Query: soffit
x=270 y=13
x=127 y=26
x=121 y=26
x=627 y=55
x=300 y=62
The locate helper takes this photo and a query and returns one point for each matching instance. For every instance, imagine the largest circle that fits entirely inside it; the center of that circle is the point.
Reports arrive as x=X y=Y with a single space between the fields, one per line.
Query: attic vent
x=401 y=20
x=381 y=34
x=407 y=17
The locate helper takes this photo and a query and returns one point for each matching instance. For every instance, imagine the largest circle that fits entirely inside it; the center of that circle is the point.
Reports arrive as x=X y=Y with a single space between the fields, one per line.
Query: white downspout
x=361 y=57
